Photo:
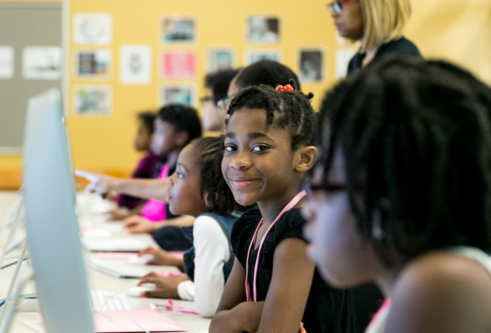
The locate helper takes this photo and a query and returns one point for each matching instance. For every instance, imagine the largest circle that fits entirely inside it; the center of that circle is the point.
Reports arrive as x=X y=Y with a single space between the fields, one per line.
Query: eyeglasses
x=206 y=99
x=224 y=103
x=337 y=6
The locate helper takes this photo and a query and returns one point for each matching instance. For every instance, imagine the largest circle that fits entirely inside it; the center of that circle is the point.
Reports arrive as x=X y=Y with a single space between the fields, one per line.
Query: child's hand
x=302 y=329
x=161 y=257
x=117 y=214
x=166 y=286
x=99 y=184
x=137 y=224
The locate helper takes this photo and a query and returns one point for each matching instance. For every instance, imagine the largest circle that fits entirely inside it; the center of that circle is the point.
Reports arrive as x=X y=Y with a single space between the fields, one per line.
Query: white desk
x=97 y=280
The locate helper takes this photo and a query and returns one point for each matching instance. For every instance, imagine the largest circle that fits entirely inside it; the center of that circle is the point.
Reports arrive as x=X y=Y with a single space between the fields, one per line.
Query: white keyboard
x=117 y=302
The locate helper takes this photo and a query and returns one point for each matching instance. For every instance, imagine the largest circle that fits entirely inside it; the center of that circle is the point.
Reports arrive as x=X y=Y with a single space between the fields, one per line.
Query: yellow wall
x=456 y=30
x=105 y=143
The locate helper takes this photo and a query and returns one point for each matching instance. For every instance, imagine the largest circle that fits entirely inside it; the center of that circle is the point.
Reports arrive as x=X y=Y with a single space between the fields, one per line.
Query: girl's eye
x=259 y=148
x=179 y=175
x=229 y=149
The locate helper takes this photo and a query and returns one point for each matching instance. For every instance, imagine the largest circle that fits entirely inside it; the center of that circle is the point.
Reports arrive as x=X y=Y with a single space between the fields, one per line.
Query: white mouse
x=136 y=291
x=136 y=260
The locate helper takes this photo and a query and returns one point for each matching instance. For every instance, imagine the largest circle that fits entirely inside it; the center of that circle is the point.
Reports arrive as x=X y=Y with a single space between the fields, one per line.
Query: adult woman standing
x=377 y=25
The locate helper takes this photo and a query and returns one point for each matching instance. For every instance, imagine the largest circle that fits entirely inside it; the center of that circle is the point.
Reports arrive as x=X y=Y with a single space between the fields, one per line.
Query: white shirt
x=212 y=253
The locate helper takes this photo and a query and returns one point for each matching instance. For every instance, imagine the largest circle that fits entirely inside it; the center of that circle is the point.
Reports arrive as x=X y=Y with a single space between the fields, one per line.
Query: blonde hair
x=383 y=20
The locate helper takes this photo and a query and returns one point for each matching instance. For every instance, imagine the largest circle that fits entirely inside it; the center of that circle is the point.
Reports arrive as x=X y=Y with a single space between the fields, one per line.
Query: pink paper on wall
x=178 y=65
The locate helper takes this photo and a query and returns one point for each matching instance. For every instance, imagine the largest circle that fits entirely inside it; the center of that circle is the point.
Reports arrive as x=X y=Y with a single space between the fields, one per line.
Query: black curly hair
x=147 y=118
x=293 y=109
x=220 y=198
x=415 y=136
x=268 y=72
x=219 y=81
x=183 y=118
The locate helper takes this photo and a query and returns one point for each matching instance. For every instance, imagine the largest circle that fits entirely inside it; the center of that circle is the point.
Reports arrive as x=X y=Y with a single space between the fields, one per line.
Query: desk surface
x=97 y=280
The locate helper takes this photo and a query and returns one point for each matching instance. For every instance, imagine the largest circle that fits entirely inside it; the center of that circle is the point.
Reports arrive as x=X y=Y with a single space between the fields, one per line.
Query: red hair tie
x=281 y=88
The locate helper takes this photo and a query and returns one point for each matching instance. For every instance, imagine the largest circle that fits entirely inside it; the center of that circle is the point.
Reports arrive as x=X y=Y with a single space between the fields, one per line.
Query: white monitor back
x=51 y=222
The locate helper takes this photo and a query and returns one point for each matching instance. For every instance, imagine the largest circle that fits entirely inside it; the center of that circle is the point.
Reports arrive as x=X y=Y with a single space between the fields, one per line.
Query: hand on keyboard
x=166 y=286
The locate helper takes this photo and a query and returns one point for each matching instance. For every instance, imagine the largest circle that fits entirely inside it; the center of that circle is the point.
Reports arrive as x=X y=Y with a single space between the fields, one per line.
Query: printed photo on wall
x=92 y=63
x=177 y=65
x=92 y=28
x=263 y=30
x=178 y=30
x=343 y=57
x=92 y=100
x=219 y=60
x=42 y=63
x=176 y=94
x=310 y=65
x=135 y=64
x=252 y=56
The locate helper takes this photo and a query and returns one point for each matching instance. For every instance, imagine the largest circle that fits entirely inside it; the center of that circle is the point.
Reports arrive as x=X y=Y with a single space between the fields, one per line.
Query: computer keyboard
x=117 y=302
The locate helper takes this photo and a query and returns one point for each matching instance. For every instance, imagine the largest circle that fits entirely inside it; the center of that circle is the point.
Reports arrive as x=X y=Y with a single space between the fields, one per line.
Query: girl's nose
x=240 y=163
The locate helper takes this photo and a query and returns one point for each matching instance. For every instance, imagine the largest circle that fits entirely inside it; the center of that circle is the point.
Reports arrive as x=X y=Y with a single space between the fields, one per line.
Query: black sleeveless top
x=327 y=309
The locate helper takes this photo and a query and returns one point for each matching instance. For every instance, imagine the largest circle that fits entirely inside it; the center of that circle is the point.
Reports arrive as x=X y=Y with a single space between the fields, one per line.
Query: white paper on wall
x=42 y=63
x=343 y=58
x=135 y=64
x=92 y=28
x=6 y=62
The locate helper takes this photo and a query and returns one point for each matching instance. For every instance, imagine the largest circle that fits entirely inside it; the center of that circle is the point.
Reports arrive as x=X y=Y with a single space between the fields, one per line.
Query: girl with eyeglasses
x=401 y=196
x=377 y=25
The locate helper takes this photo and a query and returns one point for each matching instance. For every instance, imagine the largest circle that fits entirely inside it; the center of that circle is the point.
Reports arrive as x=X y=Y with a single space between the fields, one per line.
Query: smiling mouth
x=243 y=183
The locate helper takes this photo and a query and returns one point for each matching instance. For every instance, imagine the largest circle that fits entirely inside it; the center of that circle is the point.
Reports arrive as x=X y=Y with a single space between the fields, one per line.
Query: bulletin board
x=30 y=63
x=173 y=45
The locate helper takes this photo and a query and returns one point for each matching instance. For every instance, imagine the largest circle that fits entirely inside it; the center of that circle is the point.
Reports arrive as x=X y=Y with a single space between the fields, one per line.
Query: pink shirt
x=154 y=210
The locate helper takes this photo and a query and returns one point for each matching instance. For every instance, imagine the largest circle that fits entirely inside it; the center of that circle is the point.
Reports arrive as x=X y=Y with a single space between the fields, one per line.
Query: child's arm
x=166 y=286
x=212 y=251
x=138 y=224
x=286 y=300
x=289 y=289
x=142 y=188
x=162 y=257
x=226 y=320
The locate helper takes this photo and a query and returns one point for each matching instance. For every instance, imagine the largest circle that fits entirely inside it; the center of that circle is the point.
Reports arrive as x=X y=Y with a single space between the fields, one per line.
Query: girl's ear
x=207 y=199
x=182 y=138
x=305 y=158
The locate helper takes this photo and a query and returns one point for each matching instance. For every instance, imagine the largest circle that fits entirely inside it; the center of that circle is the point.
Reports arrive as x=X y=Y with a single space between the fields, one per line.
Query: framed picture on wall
x=177 y=94
x=135 y=64
x=263 y=29
x=310 y=65
x=343 y=57
x=178 y=30
x=252 y=56
x=92 y=28
x=219 y=60
x=177 y=65
x=94 y=100
x=93 y=64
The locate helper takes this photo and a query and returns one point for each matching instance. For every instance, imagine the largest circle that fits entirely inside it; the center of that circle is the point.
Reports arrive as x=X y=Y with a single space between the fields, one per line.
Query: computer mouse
x=137 y=290
x=136 y=260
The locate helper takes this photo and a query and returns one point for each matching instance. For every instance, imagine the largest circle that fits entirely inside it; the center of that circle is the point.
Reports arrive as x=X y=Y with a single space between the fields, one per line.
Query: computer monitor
x=51 y=221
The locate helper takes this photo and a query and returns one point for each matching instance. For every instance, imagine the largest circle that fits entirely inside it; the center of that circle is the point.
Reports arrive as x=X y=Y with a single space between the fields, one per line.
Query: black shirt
x=400 y=46
x=327 y=309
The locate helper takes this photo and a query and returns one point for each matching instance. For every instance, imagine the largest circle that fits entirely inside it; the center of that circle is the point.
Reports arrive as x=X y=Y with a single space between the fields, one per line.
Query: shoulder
x=437 y=287
x=290 y=225
x=401 y=46
x=205 y=224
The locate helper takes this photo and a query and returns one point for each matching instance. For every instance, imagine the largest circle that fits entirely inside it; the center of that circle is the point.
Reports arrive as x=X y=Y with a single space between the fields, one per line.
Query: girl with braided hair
x=402 y=194
x=273 y=286
x=197 y=188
